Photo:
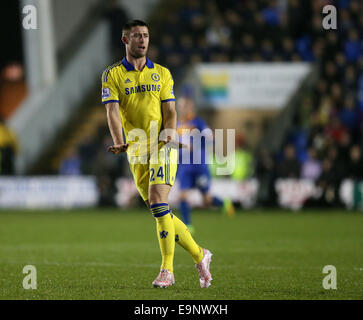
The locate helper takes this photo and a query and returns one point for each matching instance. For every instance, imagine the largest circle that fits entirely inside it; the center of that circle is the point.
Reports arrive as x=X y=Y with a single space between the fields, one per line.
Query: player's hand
x=118 y=148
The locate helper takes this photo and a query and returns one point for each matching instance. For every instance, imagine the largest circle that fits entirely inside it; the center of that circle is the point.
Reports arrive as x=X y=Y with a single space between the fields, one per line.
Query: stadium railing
x=41 y=115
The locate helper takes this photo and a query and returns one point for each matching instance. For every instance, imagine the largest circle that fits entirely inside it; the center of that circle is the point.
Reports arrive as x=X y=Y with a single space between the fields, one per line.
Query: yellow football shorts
x=163 y=171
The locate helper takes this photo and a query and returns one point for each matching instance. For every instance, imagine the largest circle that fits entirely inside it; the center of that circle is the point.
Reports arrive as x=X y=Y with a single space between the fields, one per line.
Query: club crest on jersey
x=163 y=234
x=155 y=77
x=106 y=93
x=176 y=238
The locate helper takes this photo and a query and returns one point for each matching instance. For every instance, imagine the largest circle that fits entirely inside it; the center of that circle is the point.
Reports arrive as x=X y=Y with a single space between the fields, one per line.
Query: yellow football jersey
x=139 y=94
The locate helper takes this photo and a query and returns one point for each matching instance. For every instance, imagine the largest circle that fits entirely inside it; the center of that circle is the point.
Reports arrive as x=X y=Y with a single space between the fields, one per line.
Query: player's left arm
x=168 y=109
x=169 y=119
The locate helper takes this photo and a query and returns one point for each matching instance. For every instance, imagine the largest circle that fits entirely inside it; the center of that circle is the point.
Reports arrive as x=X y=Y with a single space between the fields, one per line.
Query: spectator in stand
x=87 y=150
x=189 y=10
x=325 y=110
x=71 y=164
x=328 y=183
x=311 y=168
x=272 y=13
x=345 y=21
x=331 y=46
x=341 y=63
x=234 y=20
x=288 y=49
x=267 y=50
x=107 y=168
x=299 y=17
x=348 y=114
x=266 y=174
x=243 y=160
x=350 y=79
x=344 y=147
x=8 y=148
x=167 y=46
x=335 y=130
x=289 y=167
x=360 y=84
x=248 y=45
x=187 y=48
x=330 y=72
x=353 y=47
x=204 y=48
x=218 y=33
x=304 y=47
x=355 y=167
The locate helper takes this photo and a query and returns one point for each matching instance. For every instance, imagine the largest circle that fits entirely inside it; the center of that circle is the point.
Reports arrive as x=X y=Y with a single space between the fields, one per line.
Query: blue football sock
x=217 y=202
x=185 y=211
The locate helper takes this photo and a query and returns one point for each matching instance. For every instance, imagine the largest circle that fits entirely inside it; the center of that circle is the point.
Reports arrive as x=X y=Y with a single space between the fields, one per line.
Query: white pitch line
x=155 y=265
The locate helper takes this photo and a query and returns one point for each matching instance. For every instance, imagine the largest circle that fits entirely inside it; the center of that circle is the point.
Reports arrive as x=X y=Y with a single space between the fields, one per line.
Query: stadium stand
x=327 y=125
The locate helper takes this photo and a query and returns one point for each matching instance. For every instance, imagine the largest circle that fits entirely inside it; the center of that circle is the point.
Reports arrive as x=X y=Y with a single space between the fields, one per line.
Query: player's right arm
x=110 y=98
x=115 y=126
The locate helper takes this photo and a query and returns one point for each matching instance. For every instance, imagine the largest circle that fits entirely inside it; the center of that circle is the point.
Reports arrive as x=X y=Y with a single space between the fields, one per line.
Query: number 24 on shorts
x=159 y=174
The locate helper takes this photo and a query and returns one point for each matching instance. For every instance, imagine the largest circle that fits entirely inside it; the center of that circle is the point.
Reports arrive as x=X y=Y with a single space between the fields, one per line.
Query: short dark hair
x=133 y=23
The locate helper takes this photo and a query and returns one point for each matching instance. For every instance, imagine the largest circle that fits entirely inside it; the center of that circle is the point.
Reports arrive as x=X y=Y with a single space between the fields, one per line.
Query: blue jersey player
x=193 y=170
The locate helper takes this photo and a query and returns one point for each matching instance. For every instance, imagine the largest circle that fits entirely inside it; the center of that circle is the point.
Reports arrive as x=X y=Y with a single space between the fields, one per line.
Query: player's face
x=138 y=41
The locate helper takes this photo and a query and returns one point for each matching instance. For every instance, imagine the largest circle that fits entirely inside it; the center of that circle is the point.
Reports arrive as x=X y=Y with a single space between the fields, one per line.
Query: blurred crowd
x=326 y=141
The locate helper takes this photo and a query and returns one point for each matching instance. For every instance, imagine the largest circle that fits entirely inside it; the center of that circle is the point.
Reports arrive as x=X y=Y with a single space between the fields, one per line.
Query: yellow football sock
x=165 y=233
x=185 y=239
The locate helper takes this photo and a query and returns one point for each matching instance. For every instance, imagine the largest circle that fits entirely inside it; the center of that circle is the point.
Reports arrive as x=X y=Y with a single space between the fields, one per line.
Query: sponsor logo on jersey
x=143 y=88
x=128 y=80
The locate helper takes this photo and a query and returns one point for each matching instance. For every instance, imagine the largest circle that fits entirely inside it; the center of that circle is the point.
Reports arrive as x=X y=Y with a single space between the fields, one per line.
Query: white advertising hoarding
x=248 y=85
x=48 y=192
x=244 y=192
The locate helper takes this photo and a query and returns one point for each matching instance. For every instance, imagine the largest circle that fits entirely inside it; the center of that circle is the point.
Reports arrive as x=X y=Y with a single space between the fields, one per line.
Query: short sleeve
x=201 y=124
x=167 y=90
x=109 y=91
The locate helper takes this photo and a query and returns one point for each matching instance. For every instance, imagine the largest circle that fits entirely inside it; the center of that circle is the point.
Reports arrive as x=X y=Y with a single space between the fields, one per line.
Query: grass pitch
x=113 y=254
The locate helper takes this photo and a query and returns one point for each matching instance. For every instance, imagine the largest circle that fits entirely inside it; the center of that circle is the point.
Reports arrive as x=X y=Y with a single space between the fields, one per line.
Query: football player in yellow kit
x=138 y=95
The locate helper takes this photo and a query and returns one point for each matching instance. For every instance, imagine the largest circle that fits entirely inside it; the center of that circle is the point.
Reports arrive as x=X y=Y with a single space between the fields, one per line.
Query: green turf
x=114 y=254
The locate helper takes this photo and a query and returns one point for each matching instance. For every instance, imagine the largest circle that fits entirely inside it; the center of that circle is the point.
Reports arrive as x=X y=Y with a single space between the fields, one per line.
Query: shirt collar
x=130 y=67
x=149 y=63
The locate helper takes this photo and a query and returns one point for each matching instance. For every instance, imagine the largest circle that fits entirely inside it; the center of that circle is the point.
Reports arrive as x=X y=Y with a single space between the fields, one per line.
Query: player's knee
x=155 y=198
x=158 y=194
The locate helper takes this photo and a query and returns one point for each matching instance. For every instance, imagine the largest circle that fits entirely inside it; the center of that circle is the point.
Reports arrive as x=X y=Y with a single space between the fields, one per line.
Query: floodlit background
x=292 y=90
